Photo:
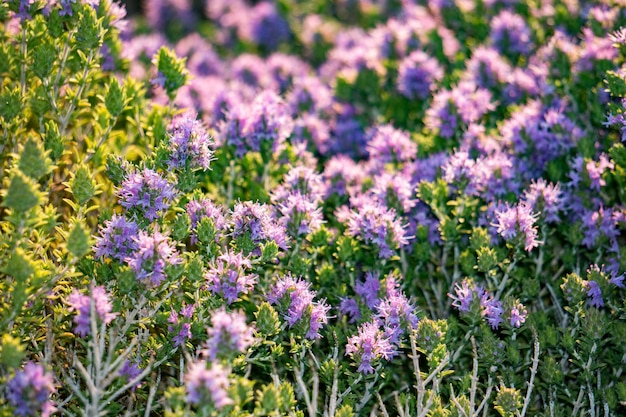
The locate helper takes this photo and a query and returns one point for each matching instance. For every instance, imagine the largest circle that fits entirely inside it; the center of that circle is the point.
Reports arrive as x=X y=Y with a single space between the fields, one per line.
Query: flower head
x=229 y=333
x=190 y=144
x=154 y=253
x=29 y=391
x=296 y=300
x=368 y=346
x=116 y=238
x=228 y=276
x=147 y=192
x=207 y=384
x=82 y=304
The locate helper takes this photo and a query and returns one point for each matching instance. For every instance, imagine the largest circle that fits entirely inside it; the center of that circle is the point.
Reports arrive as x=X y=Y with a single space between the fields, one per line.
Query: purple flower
x=261 y=126
x=302 y=180
x=390 y=145
x=395 y=313
x=376 y=225
x=595 y=171
x=146 y=191
x=204 y=384
x=546 y=198
x=82 y=304
x=295 y=299
x=350 y=308
x=369 y=345
x=492 y=310
x=154 y=253
x=205 y=208
x=264 y=26
x=256 y=221
x=23 y=12
x=183 y=334
x=417 y=75
x=229 y=333
x=518 y=220
x=595 y=294
x=309 y=94
x=369 y=289
x=190 y=144
x=116 y=239
x=29 y=391
x=518 y=315
x=228 y=276
x=160 y=12
x=466 y=103
x=463 y=295
x=510 y=33
x=129 y=371
x=300 y=215
x=487 y=68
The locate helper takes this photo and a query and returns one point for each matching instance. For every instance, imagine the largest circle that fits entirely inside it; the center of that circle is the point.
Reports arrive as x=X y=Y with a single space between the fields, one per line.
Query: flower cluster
x=228 y=276
x=207 y=383
x=117 y=239
x=180 y=323
x=468 y=295
x=147 y=192
x=29 y=391
x=155 y=252
x=376 y=225
x=190 y=144
x=296 y=301
x=98 y=302
x=255 y=221
x=229 y=333
x=518 y=221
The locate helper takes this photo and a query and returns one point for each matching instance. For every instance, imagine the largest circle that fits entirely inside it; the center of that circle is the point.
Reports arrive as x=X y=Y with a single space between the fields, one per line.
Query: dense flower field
x=313 y=208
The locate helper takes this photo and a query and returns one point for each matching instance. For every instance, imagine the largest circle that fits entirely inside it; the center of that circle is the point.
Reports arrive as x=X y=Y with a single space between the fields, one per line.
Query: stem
x=533 y=372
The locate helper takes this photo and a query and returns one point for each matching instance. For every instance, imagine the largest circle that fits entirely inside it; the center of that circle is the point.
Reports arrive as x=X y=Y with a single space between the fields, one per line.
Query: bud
x=287 y=397
x=205 y=230
x=78 y=242
x=10 y=104
x=55 y=24
x=171 y=69
x=33 y=159
x=479 y=238
x=114 y=98
x=44 y=56
x=52 y=141
x=88 y=35
x=116 y=169
x=82 y=185
x=487 y=259
x=180 y=228
x=267 y=399
x=194 y=268
x=345 y=411
x=508 y=402
x=574 y=289
x=269 y=251
x=267 y=320
x=430 y=334
x=23 y=193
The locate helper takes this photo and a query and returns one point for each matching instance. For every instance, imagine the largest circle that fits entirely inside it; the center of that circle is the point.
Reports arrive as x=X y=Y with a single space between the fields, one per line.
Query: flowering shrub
x=334 y=208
